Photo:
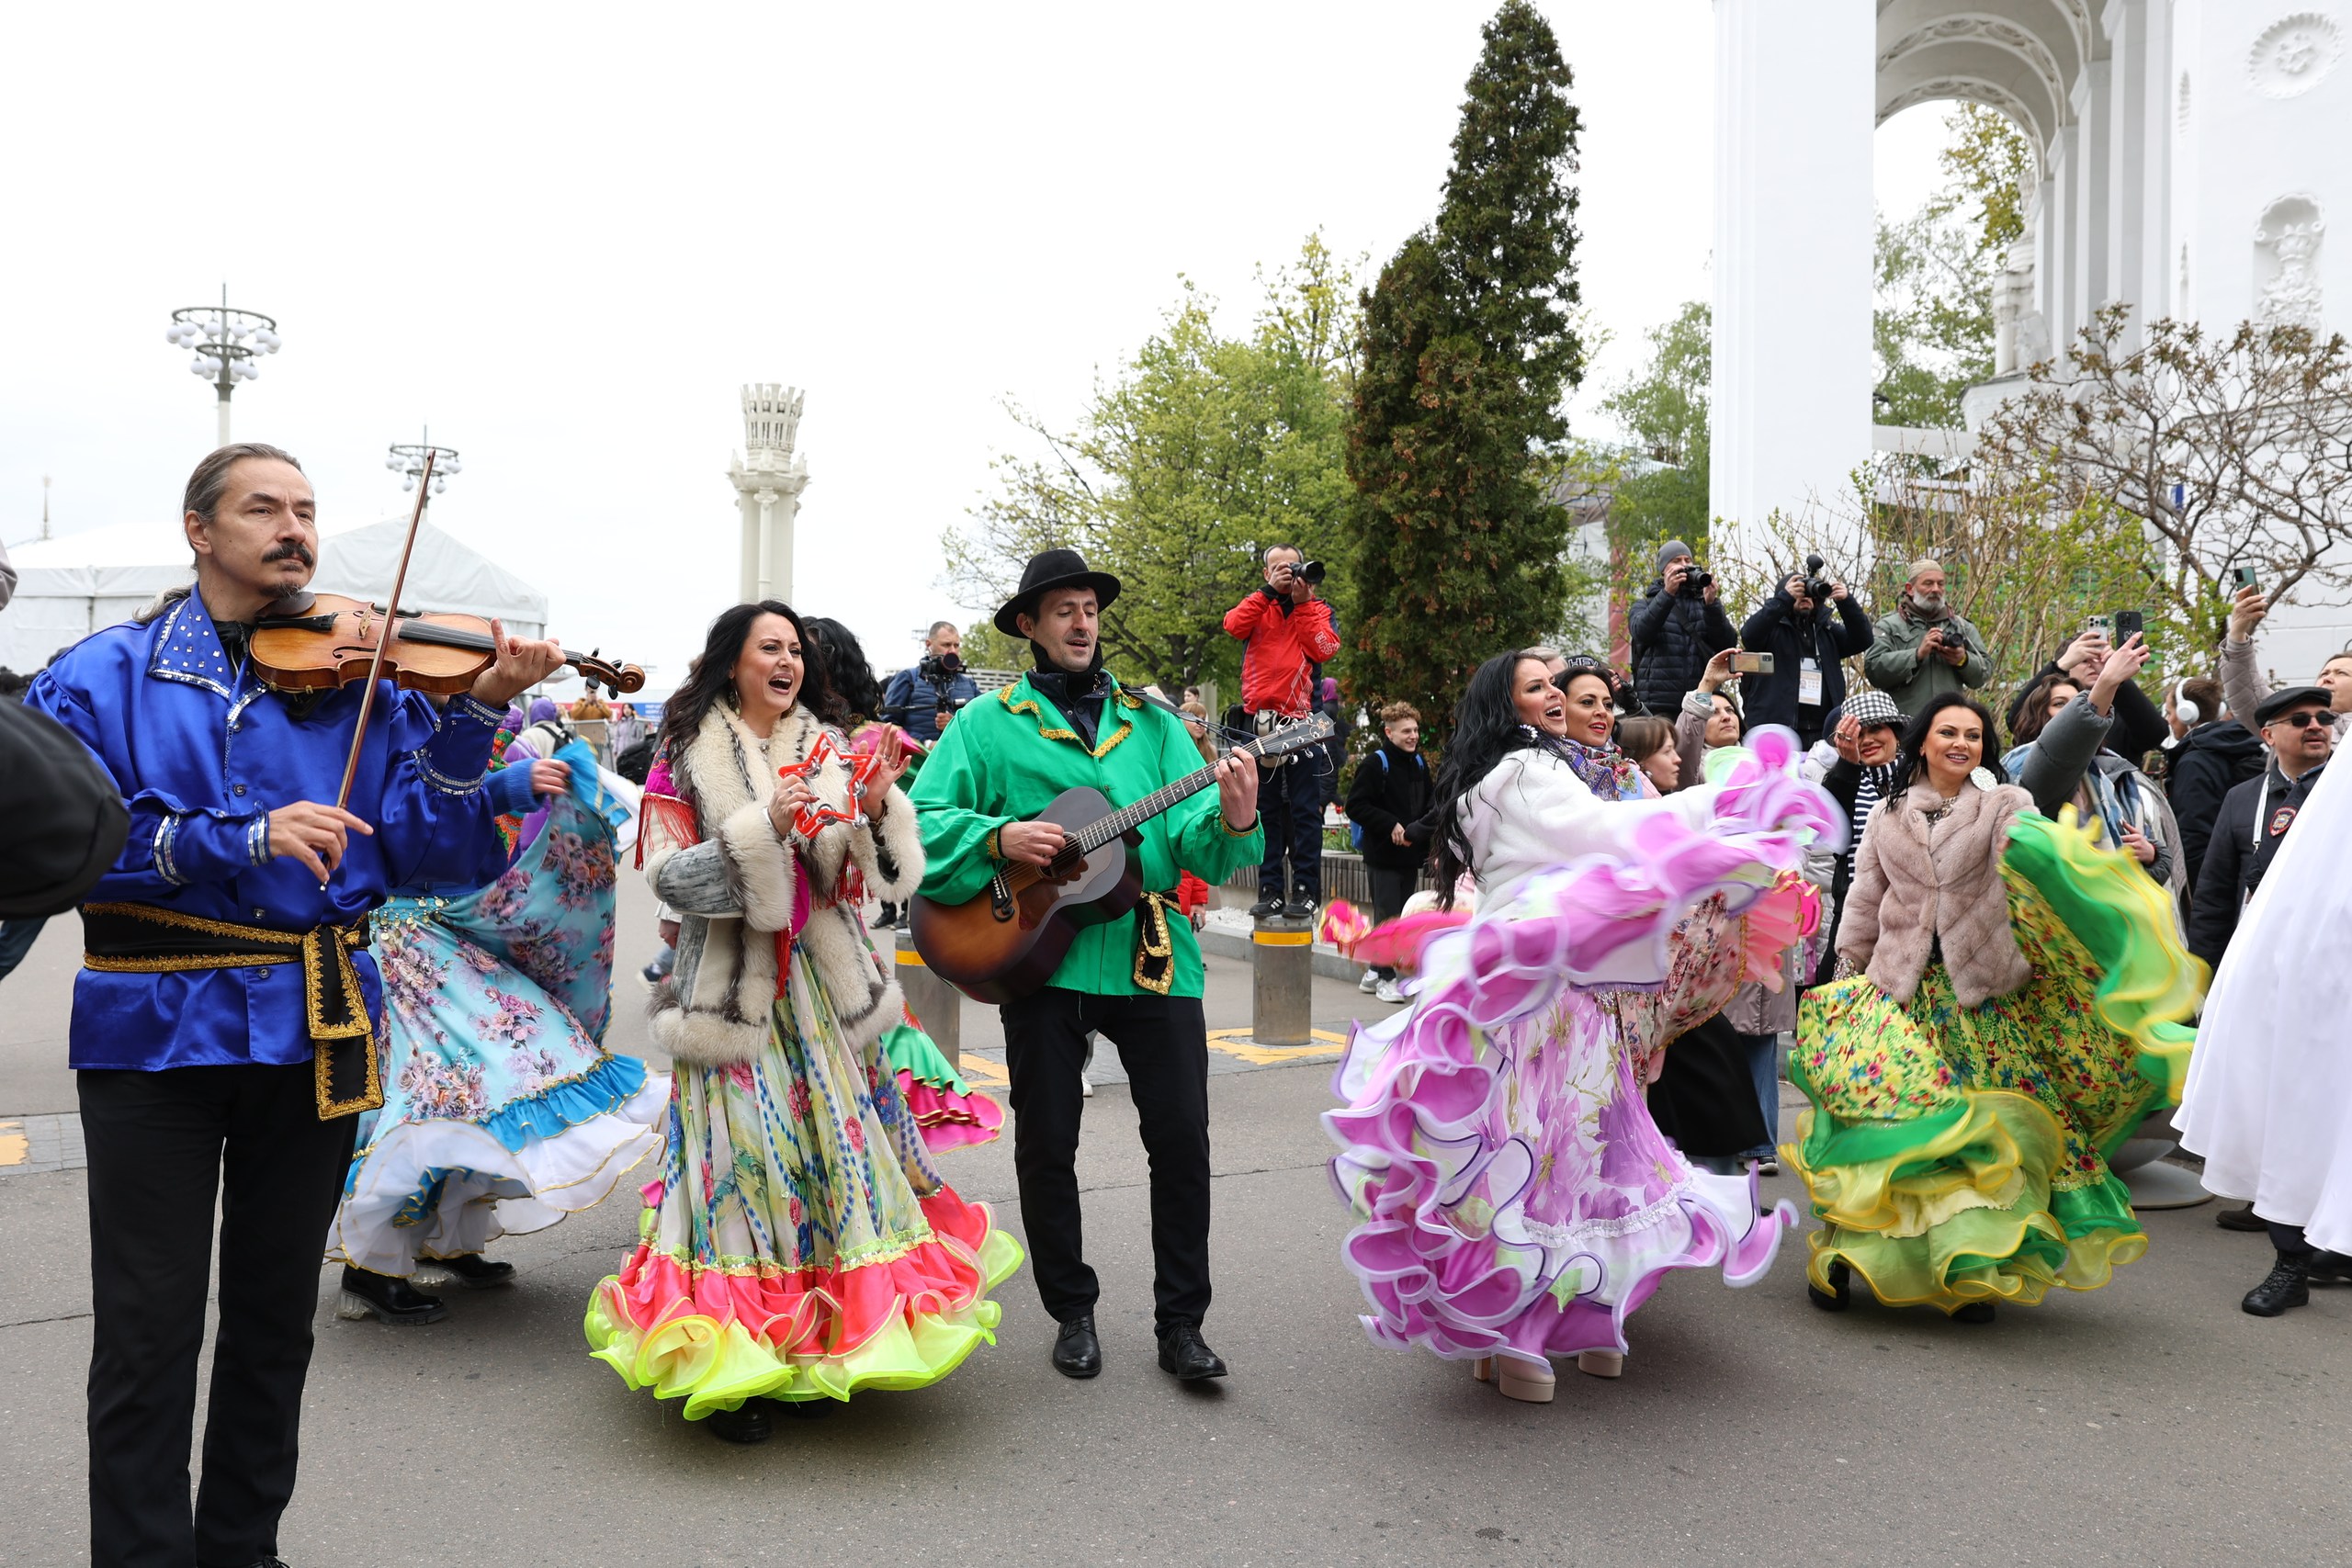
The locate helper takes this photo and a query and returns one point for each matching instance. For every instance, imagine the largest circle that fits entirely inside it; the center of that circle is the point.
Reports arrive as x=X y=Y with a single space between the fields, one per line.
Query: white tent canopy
x=69 y=587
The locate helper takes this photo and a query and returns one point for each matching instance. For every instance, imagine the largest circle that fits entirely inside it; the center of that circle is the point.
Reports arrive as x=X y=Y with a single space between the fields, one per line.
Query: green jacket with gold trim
x=1005 y=758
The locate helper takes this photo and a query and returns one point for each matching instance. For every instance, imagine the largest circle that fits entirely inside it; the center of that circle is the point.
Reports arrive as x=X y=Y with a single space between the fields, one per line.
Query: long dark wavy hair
x=1487 y=728
x=711 y=677
x=846 y=671
x=1913 y=756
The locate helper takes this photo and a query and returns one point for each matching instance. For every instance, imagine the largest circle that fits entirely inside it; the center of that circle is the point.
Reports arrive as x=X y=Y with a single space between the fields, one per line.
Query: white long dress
x=2269 y=1097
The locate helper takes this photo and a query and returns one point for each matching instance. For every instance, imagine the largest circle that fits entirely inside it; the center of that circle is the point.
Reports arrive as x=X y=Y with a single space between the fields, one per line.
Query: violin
x=317 y=642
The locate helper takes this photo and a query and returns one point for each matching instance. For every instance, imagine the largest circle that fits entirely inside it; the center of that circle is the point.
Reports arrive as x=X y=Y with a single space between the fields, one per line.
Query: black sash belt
x=140 y=939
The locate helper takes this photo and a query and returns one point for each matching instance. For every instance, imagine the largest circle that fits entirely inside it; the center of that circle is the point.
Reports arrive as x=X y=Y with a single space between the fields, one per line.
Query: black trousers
x=163 y=1147
x=1163 y=1044
x=1391 y=885
x=1290 y=802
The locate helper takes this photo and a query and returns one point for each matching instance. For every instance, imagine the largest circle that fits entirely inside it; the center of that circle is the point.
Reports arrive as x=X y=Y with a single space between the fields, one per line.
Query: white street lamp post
x=409 y=463
x=228 y=344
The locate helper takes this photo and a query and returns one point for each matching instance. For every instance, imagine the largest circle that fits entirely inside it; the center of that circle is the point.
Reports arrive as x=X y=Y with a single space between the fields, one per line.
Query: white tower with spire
x=769 y=476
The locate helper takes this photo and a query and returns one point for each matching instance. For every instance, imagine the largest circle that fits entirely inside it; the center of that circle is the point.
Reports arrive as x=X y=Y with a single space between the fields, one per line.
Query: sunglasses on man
x=2304 y=719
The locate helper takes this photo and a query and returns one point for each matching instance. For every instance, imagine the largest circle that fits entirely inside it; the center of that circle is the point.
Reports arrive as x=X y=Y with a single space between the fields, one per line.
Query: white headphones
x=2188 y=711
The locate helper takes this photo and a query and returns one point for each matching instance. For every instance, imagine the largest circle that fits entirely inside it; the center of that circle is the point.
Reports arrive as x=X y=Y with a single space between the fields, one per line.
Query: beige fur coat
x=714 y=857
x=1913 y=884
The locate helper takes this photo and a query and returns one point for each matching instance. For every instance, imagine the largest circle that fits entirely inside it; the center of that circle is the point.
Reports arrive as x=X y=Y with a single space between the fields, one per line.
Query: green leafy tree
x=1661 y=487
x=1932 y=327
x=1198 y=453
x=1459 y=546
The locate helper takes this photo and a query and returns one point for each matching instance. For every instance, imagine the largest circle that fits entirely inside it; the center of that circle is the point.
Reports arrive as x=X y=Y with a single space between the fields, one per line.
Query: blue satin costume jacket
x=202 y=754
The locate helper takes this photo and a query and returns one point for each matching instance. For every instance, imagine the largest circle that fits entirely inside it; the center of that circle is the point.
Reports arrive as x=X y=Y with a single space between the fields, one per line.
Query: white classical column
x=1790 y=391
x=2066 y=234
x=2095 y=124
x=2127 y=232
x=768 y=480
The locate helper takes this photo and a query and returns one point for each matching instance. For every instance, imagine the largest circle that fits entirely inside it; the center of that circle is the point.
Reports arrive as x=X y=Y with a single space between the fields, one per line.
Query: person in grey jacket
x=2064 y=761
x=2243 y=687
x=1921 y=651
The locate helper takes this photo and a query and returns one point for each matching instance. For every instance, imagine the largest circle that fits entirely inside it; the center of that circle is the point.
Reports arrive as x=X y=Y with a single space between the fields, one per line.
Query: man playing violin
x=223 y=1028
x=1135 y=979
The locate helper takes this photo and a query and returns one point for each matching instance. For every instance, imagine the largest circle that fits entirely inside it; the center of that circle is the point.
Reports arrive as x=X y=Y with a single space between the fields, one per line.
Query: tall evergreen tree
x=1456 y=547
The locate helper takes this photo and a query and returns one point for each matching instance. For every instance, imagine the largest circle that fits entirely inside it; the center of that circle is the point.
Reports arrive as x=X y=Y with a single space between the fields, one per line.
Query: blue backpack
x=1355 y=828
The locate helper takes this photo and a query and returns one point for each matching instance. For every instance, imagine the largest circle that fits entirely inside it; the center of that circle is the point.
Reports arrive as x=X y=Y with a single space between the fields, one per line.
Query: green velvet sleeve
x=958 y=814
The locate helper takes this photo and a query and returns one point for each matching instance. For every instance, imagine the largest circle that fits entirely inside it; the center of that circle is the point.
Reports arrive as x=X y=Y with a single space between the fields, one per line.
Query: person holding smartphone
x=2063 y=759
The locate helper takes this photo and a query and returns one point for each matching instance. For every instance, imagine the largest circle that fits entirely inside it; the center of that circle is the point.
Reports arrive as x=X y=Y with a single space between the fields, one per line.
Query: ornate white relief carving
x=1985 y=29
x=1966 y=90
x=2286 y=267
x=2182 y=108
x=2292 y=55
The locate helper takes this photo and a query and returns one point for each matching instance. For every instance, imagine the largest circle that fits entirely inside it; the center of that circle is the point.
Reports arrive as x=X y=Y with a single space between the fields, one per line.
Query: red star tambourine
x=809 y=819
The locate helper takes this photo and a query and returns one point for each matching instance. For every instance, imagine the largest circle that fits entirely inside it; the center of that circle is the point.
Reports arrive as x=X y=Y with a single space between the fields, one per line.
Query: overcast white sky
x=564 y=235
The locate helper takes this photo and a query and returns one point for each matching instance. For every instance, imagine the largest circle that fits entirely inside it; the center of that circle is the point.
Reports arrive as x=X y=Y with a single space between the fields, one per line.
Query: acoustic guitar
x=1007 y=939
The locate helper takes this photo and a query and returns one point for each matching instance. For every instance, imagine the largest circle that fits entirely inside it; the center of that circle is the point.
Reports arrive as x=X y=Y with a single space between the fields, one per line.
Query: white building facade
x=2191 y=161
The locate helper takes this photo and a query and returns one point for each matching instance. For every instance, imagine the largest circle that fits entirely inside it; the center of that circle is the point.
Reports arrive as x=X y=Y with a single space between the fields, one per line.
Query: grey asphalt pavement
x=2149 y=1423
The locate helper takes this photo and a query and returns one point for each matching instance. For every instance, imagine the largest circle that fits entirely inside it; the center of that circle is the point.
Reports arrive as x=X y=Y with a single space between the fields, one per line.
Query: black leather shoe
x=1299 y=910
x=1974 y=1312
x=2240 y=1220
x=1839 y=1294
x=1266 y=908
x=1186 y=1355
x=1076 y=1353
x=749 y=1424
x=386 y=1299
x=2327 y=1268
x=2286 y=1285
x=472 y=1269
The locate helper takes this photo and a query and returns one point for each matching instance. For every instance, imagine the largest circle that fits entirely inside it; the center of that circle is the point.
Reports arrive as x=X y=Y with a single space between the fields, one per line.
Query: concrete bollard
x=1282 y=982
x=937 y=1006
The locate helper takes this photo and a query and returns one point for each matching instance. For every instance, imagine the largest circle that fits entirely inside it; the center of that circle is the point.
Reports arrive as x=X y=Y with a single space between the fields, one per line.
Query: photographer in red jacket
x=1288 y=630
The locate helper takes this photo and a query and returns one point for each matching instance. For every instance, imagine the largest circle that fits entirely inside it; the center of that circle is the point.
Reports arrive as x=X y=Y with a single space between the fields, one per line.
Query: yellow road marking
x=909 y=957
x=13 y=1144
x=1236 y=1043
x=980 y=1067
x=1283 y=939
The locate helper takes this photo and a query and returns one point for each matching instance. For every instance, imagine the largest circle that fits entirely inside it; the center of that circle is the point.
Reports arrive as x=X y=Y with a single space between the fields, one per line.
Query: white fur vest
x=714 y=857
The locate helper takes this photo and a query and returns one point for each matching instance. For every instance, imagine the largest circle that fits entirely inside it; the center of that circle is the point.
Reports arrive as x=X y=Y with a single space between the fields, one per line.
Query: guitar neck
x=1103 y=830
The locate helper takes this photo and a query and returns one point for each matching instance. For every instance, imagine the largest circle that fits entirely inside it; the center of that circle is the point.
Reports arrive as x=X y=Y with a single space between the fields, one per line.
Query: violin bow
x=391 y=628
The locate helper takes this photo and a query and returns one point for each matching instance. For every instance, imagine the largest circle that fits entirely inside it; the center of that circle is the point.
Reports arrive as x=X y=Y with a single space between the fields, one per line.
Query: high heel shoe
x=1516 y=1378
x=1602 y=1363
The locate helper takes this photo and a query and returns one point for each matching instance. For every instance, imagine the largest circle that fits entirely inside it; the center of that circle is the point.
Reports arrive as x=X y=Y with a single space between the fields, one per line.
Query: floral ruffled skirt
x=1958 y=1155
x=798 y=1244
x=502 y=1111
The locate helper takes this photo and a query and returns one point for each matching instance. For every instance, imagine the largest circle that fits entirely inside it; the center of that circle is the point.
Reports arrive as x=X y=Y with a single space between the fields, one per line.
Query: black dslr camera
x=939 y=669
x=1695 y=583
x=1816 y=587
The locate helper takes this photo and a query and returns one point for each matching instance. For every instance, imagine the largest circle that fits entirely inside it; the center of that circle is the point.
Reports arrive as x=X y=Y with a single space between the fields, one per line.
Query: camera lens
x=1312 y=570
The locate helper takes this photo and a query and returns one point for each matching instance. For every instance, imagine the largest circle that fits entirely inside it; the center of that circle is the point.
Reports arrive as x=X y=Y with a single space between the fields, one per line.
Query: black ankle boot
x=472 y=1269
x=749 y=1424
x=2286 y=1285
x=386 y=1299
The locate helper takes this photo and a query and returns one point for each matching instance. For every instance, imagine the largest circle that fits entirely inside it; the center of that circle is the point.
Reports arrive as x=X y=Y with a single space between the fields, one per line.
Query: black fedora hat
x=1050 y=569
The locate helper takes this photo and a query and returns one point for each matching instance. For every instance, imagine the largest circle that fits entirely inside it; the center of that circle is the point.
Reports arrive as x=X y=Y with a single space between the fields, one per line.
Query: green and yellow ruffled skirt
x=1956 y=1154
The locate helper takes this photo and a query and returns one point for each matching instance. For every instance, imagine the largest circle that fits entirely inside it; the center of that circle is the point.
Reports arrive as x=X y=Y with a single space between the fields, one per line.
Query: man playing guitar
x=1134 y=979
